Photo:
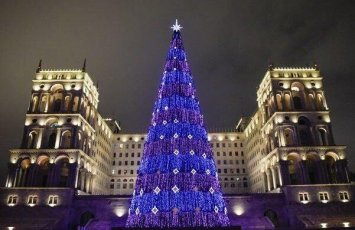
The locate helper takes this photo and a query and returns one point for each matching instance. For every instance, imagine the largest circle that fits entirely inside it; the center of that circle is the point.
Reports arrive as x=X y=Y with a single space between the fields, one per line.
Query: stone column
x=284 y=174
x=11 y=177
x=273 y=177
x=72 y=175
x=57 y=139
x=268 y=180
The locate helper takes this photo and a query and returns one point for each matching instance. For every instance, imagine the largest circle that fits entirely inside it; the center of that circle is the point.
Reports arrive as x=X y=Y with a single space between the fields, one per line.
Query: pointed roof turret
x=84 y=66
x=39 y=68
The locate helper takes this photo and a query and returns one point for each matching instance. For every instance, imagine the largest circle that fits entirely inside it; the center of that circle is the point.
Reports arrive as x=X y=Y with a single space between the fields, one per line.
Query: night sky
x=229 y=46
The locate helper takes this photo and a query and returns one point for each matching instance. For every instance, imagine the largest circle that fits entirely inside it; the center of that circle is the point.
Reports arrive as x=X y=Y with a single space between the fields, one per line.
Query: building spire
x=84 y=66
x=176 y=27
x=39 y=68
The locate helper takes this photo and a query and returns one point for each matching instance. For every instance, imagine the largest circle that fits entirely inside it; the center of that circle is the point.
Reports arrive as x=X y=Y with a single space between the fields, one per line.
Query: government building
x=278 y=168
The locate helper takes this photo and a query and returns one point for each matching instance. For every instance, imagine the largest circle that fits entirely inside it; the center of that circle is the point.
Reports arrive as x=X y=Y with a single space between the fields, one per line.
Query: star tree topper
x=176 y=27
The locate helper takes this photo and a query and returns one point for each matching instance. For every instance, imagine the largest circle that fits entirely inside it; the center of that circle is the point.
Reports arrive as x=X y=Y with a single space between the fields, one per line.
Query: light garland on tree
x=177 y=183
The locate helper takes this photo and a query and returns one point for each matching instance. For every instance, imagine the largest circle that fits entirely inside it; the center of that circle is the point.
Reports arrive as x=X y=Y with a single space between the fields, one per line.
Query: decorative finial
x=39 y=68
x=271 y=66
x=315 y=66
x=176 y=27
x=84 y=66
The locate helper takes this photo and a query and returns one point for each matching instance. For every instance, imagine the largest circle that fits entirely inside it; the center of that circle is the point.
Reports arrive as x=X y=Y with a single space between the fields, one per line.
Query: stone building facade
x=278 y=168
x=66 y=142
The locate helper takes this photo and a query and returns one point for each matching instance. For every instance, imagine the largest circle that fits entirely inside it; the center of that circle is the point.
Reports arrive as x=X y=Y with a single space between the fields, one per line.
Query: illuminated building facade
x=278 y=168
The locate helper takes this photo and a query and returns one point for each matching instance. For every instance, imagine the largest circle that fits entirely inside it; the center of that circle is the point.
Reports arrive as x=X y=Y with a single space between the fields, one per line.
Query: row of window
x=224 y=145
x=230 y=154
x=323 y=196
x=126 y=155
x=231 y=171
x=124 y=172
x=230 y=162
x=32 y=200
x=125 y=163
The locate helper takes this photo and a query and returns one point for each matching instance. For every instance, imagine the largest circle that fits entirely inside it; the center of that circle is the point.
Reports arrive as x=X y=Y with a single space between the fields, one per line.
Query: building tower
x=177 y=183
x=290 y=135
x=65 y=141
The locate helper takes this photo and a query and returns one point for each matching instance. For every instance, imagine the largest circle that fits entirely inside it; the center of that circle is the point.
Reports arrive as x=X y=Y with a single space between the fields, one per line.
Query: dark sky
x=229 y=45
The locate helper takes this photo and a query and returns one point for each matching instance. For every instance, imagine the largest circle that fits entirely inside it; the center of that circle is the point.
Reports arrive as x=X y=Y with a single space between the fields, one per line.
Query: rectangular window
x=223 y=145
x=114 y=154
x=119 y=172
x=120 y=163
x=126 y=163
x=323 y=197
x=224 y=154
x=120 y=154
x=124 y=186
x=236 y=154
x=225 y=162
x=229 y=145
x=138 y=162
x=237 y=170
x=139 y=146
x=242 y=153
x=225 y=170
x=139 y=154
x=242 y=162
x=218 y=162
x=344 y=196
x=112 y=186
x=232 y=185
x=53 y=200
x=131 y=186
x=118 y=186
x=32 y=200
x=303 y=197
x=219 y=170
x=126 y=154
x=12 y=200
x=241 y=144
x=235 y=144
x=131 y=171
x=230 y=161
x=218 y=154
x=113 y=162
x=217 y=145
x=132 y=162
x=230 y=154
x=211 y=145
x=133 y=146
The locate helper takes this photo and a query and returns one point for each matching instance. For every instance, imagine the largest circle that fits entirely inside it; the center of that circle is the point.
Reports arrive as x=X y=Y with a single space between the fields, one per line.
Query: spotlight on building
x=323 y=225
x=120 y=211
x=238 y=210
x=346 y=224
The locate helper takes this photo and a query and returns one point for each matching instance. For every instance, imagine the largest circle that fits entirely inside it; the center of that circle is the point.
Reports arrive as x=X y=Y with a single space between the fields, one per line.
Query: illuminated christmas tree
x=177 y=184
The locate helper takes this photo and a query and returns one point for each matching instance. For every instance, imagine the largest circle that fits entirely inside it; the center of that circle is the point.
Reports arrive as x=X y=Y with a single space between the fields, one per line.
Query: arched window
x=297 y=102
x=23 y=172
x=63 y=171
x=66 y=140
x=43 y=162
x=305 y=136
x=312 y=168
x=66 y=103
x=312 y=105
x=279 y=102
x=288 y=101
x=289 y=137
x=56 y=97
x=320 y=102
x=272 y=216
x=75 y=104
x=34 y=104
x=323 y=136
x=44 y=104
x=293 y=168
x=85 y=218
x=32 y=140
x=331 y=169
x=51 y=140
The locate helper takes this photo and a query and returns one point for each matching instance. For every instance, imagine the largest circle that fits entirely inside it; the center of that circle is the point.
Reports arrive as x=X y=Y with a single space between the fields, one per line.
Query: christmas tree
x=177 y=184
